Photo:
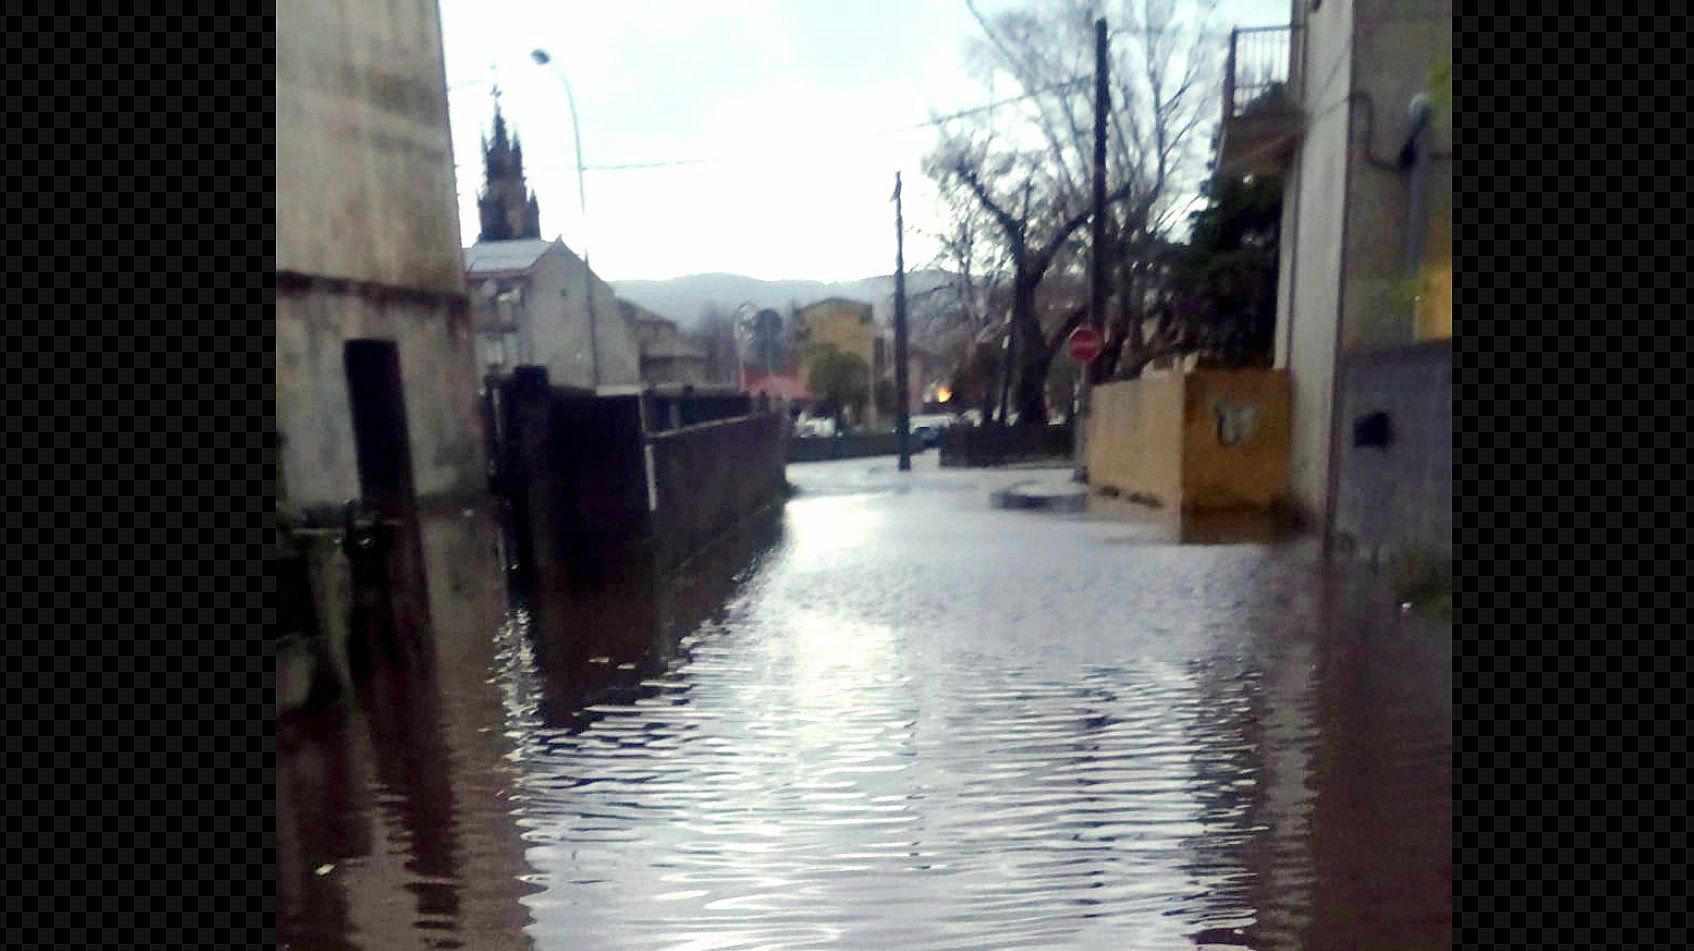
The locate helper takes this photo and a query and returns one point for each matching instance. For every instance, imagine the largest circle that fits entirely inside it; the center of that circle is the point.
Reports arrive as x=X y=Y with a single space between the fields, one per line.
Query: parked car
x=813 y=427
x=928 y=427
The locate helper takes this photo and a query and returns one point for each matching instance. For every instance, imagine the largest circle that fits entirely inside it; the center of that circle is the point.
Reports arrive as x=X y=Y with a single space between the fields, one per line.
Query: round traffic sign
x=1086 y=344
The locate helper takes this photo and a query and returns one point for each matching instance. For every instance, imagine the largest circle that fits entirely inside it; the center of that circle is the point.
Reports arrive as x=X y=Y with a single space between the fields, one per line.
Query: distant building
x=538 y=304
x=841 y=324
x=535 y=301
x=1337 y=105
x=665 y=357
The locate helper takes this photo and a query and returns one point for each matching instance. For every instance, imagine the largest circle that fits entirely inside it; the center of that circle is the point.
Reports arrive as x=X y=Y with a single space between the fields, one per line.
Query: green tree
x=840 y=380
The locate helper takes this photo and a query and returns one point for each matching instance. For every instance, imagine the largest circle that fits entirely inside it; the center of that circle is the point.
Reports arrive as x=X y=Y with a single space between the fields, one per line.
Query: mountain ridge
x=685 y=299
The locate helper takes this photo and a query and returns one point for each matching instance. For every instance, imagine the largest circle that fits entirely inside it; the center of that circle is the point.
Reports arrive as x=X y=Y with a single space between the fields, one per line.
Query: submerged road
x=913 y=721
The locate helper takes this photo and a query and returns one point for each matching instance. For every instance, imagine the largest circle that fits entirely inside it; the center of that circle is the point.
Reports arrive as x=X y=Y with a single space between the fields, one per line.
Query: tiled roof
x=485 y=256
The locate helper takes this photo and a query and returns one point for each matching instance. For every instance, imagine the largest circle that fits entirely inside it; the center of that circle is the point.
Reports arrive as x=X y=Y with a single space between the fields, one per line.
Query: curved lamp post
x=543 y=58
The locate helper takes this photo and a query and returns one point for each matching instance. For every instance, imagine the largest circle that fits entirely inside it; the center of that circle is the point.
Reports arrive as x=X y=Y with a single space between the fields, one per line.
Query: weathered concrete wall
x=1345 y=213
x=364 y=160
x=1395 y=46
x=313 y=413
x=559 y=325
x=1397 y=491
x=367 y=243
x=1236 y=438
x=1135 y=438
x=711 y=478
x=1313 y=215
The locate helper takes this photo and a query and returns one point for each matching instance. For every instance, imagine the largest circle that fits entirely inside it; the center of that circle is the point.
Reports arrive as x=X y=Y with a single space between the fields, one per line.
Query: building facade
x=536 y=303
x=1344 y=106
x=372 y=321
x=839 y=324
x=666 y=359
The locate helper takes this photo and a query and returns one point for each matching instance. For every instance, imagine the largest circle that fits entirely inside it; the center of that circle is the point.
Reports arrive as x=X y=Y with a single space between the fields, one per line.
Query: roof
x=670 y=348
x=837 y=301
x=634 y=311
x=490 y=256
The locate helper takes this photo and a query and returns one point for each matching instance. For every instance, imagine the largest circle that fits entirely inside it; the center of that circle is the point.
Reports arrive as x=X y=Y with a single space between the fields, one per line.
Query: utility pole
x=903 y=414
x=1097 y=291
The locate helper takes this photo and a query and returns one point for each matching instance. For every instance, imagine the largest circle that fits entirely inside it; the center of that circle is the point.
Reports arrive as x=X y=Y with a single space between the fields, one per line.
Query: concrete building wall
x=367 y=244
x=364 y=161
x=553 y=320
x=1394 y=486
x=314 y=415
x=1313 y=222
x=562 y=337
x=1394 y=46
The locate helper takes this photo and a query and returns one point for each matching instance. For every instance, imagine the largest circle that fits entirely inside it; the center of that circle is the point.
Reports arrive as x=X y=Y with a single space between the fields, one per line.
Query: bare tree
x=1025 y=168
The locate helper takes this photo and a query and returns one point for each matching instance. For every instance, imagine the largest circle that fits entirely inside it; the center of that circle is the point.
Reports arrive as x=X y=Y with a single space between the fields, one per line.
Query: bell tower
x=507 y=207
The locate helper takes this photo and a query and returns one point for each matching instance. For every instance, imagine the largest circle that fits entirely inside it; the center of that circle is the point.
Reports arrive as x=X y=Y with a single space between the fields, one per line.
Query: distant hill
x=684 y=299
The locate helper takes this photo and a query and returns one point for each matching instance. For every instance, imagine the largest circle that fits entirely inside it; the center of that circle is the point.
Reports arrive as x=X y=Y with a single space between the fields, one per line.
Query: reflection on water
x=907 y=720
x=394 y=819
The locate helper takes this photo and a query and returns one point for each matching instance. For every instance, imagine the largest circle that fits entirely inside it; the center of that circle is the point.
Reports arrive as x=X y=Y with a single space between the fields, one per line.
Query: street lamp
x=543 y=58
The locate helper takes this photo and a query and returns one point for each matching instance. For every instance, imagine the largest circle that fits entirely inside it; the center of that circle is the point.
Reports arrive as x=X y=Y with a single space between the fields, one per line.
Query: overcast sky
x=796 y=105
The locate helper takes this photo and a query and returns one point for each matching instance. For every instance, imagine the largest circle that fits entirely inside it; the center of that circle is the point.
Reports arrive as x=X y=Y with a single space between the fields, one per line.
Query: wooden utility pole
x=902 y=390
x=1097 y=292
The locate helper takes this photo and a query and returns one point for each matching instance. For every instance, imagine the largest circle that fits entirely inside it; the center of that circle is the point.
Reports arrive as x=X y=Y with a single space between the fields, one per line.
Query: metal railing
x=1258 y=68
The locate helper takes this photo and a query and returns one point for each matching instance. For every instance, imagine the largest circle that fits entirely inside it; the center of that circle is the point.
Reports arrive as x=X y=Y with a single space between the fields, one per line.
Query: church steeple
x=507 y=206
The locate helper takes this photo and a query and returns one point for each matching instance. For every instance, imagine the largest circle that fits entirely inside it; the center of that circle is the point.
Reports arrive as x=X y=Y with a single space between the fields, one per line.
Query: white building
x=536 y=303
x=1337 y=105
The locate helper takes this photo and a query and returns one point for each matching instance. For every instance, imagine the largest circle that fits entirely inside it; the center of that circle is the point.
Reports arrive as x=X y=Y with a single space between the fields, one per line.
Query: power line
x=902 y=130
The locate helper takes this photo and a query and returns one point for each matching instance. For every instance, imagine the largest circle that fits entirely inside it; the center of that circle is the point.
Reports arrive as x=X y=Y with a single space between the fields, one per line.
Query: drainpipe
x=1332 y=474
x=1416 y=155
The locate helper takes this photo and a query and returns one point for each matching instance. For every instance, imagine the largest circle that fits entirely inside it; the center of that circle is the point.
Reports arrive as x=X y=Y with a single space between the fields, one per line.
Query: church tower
x=508 y=208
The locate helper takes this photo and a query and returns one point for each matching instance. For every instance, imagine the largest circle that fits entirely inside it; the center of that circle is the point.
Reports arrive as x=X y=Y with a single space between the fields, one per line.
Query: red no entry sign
x=1086 y=344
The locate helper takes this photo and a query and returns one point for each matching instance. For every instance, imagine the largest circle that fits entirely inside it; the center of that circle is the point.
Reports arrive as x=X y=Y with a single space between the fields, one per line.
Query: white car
x=815 y=426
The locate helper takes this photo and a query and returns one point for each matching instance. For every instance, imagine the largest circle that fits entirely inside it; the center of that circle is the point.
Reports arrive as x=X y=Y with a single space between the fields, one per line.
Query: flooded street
x=900 y=718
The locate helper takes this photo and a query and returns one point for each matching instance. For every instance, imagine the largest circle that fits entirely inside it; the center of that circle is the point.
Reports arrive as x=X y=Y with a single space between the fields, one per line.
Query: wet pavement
x=898 y=718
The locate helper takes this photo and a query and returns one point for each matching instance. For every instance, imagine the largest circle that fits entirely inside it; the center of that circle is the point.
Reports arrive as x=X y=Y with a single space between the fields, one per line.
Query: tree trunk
x=1029 y=358
x=1032 y=386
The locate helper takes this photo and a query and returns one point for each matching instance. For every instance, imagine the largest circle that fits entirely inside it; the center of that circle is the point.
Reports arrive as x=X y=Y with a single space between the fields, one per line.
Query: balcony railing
x=1258 y=69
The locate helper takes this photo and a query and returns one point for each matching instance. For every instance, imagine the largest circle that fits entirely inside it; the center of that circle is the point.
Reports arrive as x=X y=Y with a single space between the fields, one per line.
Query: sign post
x=1084 y=346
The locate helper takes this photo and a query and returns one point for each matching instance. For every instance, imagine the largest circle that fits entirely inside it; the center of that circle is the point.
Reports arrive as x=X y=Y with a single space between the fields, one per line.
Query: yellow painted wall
x=844 y=325
x=1253 y=471
x=1157 y=438
x=1435 y=291
x=1135 y=438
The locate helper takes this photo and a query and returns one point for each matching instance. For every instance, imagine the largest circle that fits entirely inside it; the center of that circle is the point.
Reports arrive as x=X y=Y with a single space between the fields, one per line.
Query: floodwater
x=898 y=719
